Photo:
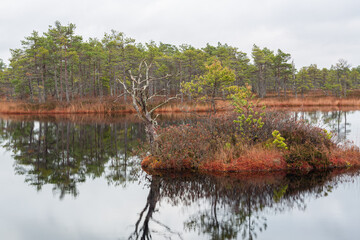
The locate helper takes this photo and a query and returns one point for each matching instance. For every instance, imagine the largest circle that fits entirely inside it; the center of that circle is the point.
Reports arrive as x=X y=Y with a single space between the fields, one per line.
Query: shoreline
x=311 y=102
x=94 y=107
x=248 y=174
x=259 y=160
x=108 y=106
x=247 y=165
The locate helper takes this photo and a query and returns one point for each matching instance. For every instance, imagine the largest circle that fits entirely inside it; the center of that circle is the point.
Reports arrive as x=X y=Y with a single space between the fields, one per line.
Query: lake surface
x=79 y=178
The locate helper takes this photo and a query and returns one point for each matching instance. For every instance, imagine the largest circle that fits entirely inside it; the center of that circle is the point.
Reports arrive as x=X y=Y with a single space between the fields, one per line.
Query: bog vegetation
x=250 y=139
x=59 y=67
x=219 y=145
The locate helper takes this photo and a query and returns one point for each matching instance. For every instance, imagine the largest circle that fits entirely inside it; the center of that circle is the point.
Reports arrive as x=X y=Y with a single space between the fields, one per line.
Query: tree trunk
x=124 y=79
x=94 y=80
x=56 y=82
x=151 y=134
x=61 y=81
x=72 y=82
x=31 y=90
x=39 y=90
x=43 y=82
x=66 y=82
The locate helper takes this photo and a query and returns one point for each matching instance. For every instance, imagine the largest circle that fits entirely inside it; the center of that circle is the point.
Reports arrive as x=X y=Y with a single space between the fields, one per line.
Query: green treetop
x=217 y=79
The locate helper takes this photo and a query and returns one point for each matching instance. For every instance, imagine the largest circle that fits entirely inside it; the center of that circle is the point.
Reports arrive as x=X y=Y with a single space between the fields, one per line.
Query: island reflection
x=232 y=206
x=64 y=154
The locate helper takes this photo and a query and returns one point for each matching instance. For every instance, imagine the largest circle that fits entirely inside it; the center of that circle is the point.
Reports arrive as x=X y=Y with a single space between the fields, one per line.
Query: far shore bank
x=108 y=106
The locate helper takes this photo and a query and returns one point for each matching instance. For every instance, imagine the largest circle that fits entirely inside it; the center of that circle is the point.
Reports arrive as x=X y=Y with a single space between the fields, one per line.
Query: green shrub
x=250 y=114
x=278 y=141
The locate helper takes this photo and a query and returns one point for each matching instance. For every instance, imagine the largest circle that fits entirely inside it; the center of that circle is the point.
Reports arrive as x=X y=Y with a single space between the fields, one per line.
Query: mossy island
x=282 y=143
x=249 y=139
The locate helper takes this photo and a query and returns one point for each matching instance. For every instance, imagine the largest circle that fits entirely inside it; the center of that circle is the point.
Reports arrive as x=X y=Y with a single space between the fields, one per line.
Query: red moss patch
x=252 y=160
x=345 y=157
x=256 y=159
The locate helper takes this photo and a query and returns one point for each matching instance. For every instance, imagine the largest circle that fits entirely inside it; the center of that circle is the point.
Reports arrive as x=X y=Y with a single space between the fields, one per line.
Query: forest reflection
x=336 y=121
x=64 y=154
x=64 y=150
x=231 y=206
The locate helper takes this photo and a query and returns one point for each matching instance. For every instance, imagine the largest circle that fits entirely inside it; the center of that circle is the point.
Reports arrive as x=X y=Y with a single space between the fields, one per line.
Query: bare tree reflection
x=142 y=226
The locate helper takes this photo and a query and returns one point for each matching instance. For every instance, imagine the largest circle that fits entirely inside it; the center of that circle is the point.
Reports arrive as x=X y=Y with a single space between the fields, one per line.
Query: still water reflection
x=344 y=124
x=74 y=180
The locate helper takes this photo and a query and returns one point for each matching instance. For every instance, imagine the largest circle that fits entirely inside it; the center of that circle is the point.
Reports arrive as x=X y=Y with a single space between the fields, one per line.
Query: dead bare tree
x=139 y=90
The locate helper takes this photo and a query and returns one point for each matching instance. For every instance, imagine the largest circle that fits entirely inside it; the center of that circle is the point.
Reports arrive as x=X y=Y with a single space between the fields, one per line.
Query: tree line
x=59 y=65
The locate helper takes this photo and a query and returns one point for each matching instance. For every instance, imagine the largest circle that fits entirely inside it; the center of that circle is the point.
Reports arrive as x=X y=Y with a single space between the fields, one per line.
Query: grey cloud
x=312 y=31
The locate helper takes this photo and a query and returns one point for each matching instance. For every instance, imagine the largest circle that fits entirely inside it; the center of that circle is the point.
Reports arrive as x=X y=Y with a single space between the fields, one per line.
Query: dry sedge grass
x=62 y=108
x=311 y=102
x=96 y=106
x=107 y=105
x=178 y=107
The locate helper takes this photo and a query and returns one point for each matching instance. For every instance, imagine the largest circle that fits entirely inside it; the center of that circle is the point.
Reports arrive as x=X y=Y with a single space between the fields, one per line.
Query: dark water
x=80 y=179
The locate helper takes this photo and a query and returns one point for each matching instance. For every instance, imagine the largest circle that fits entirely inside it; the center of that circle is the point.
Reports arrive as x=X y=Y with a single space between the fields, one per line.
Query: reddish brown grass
x=107 y=105
x=50 y=107
x=254 y=159
x=96 y=106
x=258 y=159
x=311 y=102
x=345 y=157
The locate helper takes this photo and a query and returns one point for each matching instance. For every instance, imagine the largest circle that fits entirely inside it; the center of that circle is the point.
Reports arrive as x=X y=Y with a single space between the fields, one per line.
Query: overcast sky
x=313 y=31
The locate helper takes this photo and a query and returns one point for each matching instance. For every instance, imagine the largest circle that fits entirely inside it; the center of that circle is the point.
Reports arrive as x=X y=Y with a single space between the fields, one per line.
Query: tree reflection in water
x=236 y=205
x=336 y=121
x=64 y=154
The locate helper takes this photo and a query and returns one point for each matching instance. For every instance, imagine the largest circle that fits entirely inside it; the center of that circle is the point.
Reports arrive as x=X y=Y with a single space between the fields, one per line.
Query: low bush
x=177 y=144
x=304 y=142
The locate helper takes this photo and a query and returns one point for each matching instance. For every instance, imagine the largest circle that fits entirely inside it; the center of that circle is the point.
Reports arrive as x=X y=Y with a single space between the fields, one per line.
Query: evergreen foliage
x=60 y=65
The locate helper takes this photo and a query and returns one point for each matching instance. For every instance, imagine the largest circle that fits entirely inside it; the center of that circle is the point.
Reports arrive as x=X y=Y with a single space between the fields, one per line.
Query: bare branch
x=163 y=103
x=140 y=65
x=125 y=87
x=157 y=94
x=155 y=79
x=117 y=98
